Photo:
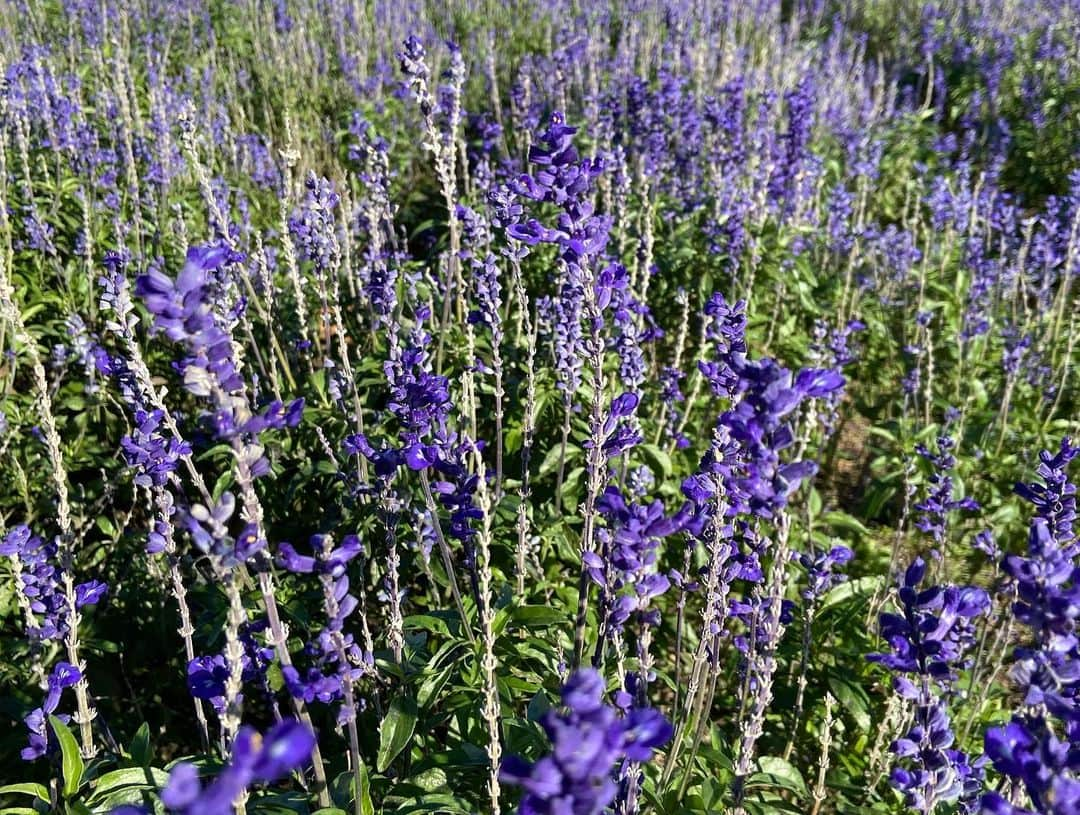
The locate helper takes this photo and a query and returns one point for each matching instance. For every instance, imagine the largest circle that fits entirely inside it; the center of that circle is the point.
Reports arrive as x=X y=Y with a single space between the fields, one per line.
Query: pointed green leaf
x=140 y=746
x=397 y=728
x=366 y=807
x=780 y=773
x=149 y=777
x=71 y=758
x=29 y=788
x=658 y=460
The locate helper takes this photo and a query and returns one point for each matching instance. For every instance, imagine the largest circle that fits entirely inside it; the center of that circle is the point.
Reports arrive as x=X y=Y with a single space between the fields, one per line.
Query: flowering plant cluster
x=589 y=743
x=566 y=408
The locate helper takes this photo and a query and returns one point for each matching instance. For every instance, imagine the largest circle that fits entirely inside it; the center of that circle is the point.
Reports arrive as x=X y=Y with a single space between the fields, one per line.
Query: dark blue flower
x=286 y=747
x=589 y=741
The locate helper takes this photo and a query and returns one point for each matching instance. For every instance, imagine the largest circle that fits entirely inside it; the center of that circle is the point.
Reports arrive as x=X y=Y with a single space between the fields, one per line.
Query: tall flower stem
x=330 y=603
x=801 y=682
x=253 y=513
x=713 y=616
x=489 y=662
x=447 y=555
x=10 y=311
x=563 y=442
x=396 y=635
x=281 y=646
x=762 y=662
x=595 y=474
x=820 y=789
x=527 y=430
x=234 y=658
x=163 y=503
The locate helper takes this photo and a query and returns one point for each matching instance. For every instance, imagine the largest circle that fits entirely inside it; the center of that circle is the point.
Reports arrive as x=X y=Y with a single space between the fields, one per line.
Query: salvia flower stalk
x=589 y=741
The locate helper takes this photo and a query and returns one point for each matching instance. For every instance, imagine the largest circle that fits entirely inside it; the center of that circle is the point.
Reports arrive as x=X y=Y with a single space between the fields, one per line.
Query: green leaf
x=431 y=686
x=570 y=486
x=366 y=807
x=150 y=777
x=537 y=616
x=140 y=746
x=514 y=438
x=853 y=700
x=781 y=773
x=29 y=788
x=427 y=622
x=841 y=520
x=538 y=706
x=72 y=760
x=118 y=797
x=430 y=780
x=862 y=587
x=551 y=461
x=397 y=728
x=658 y=459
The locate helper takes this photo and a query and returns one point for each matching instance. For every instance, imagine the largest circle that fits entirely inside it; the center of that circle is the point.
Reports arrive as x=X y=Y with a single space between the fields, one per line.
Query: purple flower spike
x=1030 y=749
x=929 y=641
x=624 y=405
x=286 y=747
x=589 y=741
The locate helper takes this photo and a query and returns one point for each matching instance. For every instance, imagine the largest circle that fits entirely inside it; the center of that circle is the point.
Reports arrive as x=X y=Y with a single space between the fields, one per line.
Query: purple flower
x=63 y=675
x=625 y=569
x=313 y=227
x=333 y=562
x=928 y=643
x=821 y=570
x=589 y=740
x=334 y=655
x=149 y=452
x=183 y=311
x=1029 y=750
x=1055 y=498
x=939 y=503
x=1047 y=767
x=41 y=583
x=285 y=747
x=619 y=432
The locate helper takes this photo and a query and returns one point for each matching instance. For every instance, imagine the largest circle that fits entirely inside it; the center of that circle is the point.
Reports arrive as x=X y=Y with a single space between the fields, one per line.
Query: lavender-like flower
x=207 y=676
x=764 y=395
x=625 y=568
x=313 y=226
x=565 y=180
x=821 y=570
x=41 y=583
x=1030 y=750
x=152 y=454
x=182 y=311
x=939 y=503
x=48 y=618
x=589 y=741
x=1045 y=765
x=1055 y=499
x=63 y=675
x=338 y=661
x=255 y=759
x=928 y=642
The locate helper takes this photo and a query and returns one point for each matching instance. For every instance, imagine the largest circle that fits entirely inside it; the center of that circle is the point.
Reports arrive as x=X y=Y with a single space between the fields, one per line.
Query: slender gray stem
x=447 y=556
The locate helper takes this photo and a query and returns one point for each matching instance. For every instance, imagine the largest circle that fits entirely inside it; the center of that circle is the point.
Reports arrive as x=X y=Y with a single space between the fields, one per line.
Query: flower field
x=553 y=407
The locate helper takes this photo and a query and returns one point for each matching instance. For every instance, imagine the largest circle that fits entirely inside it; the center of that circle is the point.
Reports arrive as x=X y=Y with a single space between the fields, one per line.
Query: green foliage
x=422 y=730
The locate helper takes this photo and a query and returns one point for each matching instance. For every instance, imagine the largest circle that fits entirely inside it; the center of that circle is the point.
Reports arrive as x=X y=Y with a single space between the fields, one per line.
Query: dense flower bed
x=553 y=407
